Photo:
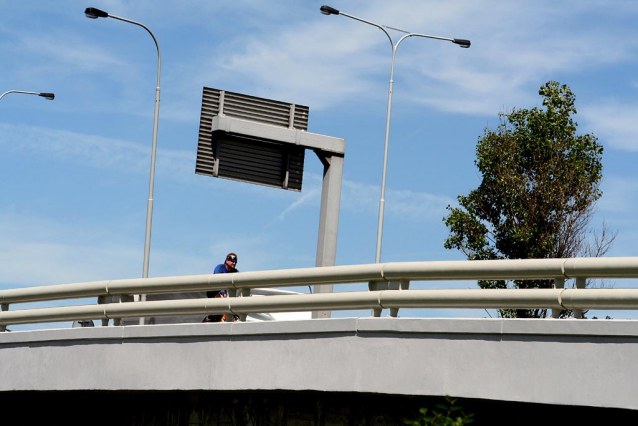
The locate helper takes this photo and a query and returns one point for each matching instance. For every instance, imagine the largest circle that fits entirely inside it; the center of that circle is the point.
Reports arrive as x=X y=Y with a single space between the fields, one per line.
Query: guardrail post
x=4 y=307
x=558 y=283
x=239 y=292
x=397 y=285
x=377 y=286
x=581 y=282
x=102 y=300
x=244 y=292
x=124 y=298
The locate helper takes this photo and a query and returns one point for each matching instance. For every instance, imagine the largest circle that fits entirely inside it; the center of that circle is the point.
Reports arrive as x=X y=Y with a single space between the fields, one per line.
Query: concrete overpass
x=557 y=362
x=556 y=366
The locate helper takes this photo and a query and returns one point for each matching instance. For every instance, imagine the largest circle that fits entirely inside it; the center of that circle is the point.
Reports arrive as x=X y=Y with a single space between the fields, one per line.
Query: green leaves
x=443 y=415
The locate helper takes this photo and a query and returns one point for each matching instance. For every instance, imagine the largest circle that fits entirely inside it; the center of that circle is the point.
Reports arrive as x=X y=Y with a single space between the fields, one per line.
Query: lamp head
x=327 y=10
x=461 y=42
x=49 y=96
x=94 y=13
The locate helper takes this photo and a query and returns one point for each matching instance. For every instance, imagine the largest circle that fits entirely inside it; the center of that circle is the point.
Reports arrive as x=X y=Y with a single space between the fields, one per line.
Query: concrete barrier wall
x=565 y=362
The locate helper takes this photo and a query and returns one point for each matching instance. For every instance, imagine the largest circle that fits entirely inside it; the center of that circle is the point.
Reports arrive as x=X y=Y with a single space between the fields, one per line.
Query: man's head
x=218 y=293
x=231 y=261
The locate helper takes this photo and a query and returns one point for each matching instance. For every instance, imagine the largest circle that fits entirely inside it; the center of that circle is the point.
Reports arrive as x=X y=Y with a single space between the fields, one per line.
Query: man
x=228 y=266
x=223 y=268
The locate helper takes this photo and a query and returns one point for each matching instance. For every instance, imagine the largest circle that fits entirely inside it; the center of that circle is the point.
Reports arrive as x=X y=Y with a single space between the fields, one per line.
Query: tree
x=540 y=183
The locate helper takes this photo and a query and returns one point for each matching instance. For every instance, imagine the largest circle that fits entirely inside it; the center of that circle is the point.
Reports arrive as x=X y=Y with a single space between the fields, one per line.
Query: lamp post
x=327 y=10
x=94 y=13
x=49 y=96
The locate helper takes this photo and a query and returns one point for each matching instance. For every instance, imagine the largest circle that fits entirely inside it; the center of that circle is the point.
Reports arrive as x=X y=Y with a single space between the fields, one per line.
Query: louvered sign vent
x=250 y=158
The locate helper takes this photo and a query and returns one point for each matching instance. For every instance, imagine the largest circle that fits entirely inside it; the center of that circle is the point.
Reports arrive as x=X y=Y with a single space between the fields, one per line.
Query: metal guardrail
x=389 y=282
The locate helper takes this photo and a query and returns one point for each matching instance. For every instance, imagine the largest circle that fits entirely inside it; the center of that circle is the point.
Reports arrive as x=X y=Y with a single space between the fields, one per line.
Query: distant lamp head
x=327 y=10
x=461 y=42
x=93 y=13
x=49 y=96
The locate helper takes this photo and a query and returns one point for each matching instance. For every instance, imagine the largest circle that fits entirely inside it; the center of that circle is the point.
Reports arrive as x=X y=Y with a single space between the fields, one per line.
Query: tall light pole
x=327 y=10
x=94 y=13
x=49 y=96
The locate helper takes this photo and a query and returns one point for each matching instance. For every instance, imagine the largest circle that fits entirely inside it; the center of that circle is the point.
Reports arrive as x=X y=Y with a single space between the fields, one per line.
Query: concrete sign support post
x=329 y=218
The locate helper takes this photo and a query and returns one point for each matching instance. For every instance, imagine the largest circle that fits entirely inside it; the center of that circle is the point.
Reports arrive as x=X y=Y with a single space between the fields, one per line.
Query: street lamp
x=49 y=96
x=94 y=13
x=327 y=10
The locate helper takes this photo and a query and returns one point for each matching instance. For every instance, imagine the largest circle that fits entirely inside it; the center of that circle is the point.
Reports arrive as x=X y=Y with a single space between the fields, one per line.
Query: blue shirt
x=221 y=269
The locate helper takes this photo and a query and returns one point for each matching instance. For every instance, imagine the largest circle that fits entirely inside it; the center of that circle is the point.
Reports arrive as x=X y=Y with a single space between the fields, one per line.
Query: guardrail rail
x=388 y=285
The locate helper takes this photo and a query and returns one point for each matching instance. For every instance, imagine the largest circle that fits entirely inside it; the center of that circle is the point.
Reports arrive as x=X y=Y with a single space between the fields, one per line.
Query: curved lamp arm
x=159 y=56
x=49 y=96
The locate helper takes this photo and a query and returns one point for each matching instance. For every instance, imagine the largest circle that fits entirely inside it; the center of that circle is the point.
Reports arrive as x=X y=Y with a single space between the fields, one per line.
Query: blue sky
x=75 y=170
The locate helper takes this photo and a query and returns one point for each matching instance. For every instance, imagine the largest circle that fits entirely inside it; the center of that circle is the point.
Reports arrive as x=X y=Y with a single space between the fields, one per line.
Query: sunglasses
x=231 y=258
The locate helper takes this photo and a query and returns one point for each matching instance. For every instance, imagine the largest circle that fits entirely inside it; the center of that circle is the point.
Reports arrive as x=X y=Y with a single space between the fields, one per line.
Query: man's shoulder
x=221 y=269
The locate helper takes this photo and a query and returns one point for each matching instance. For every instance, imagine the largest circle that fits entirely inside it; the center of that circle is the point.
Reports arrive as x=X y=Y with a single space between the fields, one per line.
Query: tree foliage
x=442 y=415
x=540 y=183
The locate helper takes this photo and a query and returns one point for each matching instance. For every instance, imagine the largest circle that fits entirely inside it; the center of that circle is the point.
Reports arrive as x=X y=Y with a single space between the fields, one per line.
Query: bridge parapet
x=494 y=359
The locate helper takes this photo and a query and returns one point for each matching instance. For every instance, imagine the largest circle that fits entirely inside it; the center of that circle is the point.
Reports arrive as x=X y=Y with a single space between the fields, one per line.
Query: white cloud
x=617 y=208
x=417 y=205
x=293 y=53
x=95 y=151
x=620 y=195
x=62 y=53
x=310 y=64
x=363 y=199
x=327 y=60
x=131 y=157
x=76 y=53
x=505 y=65
x=614 y=123
x=264 y=251
x=37 y=251
x=309 y=195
